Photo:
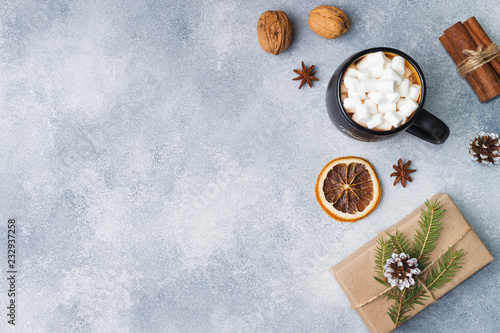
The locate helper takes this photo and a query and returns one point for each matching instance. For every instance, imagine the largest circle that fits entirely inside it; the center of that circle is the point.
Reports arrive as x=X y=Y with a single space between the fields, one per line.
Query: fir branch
x=399 y=241
x=416 y=295
x=425 y=239
x=447 y=267
x=391 y=294
x=383 y=251
x=398 y=311
x=406 y=301
x=449 y=264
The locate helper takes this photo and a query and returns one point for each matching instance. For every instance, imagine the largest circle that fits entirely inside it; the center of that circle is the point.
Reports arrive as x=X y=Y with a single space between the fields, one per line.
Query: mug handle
x=430 y=128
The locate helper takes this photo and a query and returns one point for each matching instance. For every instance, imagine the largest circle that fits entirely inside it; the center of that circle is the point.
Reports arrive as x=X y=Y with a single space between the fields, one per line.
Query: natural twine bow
x=466 y=231
x=477 y=58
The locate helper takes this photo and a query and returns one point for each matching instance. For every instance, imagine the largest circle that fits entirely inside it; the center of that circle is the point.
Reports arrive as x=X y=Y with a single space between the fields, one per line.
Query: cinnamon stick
x=486 y=78
x=456 y=58
x=481 y=38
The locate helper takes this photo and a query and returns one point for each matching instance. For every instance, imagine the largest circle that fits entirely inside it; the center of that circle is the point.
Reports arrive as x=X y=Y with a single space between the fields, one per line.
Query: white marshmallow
x=363 y=74
x=385 y=126
x=351 y=72
x=388 y=64
x=394 y=119
x=400 y=103
x=404 y=88
x=407 y=72
x=375 y=121
x=351 y=102
x=363 y=113
x=351 y=83
x=368 y=85
x=392 y=97
x=355 y=118
x=378 y=97
x=390 y=74
x=371 y=106
x=408 y=107
x=405 y=118
x=387 y=107
x=414 y=92
x=388 y=86
x=377 y=58
x=398 y=64
x=376 y=71
x=360 y=94
x=363 y=64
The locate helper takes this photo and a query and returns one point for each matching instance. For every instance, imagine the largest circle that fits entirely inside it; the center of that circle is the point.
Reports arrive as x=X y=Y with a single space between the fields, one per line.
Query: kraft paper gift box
x=359 y=288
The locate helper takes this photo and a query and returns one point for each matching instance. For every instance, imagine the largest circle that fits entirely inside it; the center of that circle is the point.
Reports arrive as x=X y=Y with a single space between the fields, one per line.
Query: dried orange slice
x=348 y=189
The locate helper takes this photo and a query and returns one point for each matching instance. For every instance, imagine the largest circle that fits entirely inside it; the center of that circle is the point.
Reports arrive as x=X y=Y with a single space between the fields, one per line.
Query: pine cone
x=400 y=269
x=484 y=148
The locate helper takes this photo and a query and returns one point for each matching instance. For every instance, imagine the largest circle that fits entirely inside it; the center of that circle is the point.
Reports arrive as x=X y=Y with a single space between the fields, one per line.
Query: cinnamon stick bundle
x=481 y=38
x=485 y=80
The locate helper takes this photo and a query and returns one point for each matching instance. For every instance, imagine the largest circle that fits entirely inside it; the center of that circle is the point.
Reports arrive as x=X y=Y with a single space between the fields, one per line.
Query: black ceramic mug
x=422 y=124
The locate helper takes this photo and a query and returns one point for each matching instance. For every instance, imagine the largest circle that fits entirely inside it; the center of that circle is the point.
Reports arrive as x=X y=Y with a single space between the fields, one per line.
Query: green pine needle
x=397 y=312
x=399 y=241
x=405 y=301
x=425 y=239
x=415 y=295
x=446 y=268
x=382 y=252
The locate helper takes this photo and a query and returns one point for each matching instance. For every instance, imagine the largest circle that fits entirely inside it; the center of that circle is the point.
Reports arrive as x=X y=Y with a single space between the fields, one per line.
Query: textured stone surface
x=161 y=165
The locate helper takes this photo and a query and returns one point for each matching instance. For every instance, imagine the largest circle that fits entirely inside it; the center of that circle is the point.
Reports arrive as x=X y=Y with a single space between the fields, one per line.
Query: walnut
x=274 y=31
x=328 y=22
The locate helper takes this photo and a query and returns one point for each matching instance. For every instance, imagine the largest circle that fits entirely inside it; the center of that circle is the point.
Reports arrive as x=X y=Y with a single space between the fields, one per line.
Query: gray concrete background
x=161 y=166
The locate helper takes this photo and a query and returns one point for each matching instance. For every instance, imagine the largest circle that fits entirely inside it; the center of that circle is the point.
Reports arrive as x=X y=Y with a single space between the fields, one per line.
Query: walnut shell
x=328 y=22
x=274 y=31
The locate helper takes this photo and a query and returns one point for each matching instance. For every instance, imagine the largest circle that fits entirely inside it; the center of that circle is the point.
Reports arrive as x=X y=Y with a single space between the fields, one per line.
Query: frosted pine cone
x=400 y=269
x=484 y=148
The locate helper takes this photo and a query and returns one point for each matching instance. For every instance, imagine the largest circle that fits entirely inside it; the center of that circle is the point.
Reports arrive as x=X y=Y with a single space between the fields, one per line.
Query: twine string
x=383 y=233
x=478 y=58
x=372 y=298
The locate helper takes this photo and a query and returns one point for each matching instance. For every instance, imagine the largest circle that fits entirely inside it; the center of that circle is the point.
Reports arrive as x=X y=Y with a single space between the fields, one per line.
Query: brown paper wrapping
x=361 y=287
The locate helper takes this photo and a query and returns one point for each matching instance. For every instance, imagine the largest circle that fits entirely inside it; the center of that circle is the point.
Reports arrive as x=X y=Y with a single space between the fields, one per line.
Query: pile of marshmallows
x=391 y=98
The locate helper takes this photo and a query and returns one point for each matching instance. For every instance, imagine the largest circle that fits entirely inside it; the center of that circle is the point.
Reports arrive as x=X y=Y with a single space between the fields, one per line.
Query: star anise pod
x=306 y=75
x=402 y=172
